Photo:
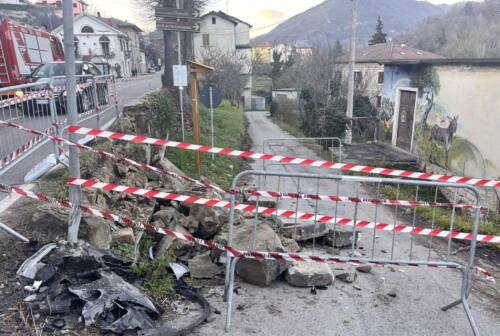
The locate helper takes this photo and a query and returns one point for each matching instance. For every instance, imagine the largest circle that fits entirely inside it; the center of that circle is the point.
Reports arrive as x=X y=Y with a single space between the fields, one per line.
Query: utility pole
x=168 y=76
x=352 y=61
x=75 y=193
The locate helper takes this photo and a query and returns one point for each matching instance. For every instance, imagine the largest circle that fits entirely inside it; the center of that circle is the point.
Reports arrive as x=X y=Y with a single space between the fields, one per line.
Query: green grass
x=158 y=283
x=442 y=216
x=229 y=133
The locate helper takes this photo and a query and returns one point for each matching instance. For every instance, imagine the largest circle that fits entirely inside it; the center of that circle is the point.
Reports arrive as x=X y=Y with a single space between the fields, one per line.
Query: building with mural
x=444 y=111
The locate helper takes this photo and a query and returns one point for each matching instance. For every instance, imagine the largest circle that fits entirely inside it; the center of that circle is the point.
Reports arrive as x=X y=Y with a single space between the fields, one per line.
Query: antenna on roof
x=227 y=6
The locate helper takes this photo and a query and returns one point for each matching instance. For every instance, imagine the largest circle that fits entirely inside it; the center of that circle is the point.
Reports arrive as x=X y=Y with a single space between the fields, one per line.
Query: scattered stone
x=211 y=221
x=356 y=287
x=124 y=236
x=364 y=269
x=166 y=215
x=392 y=293
x=309 y=275
x=211 y=319
x=356 y=254
x=383 y=251
x=341 y=236
x=202 y=267
x=180 y=247
x=306 y=231
x=290 y=245
x=257 y=272
x=347 y=276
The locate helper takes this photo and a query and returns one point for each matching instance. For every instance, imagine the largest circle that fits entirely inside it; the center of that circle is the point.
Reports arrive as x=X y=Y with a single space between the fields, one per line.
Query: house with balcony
x=98 y=42
x=137 y=63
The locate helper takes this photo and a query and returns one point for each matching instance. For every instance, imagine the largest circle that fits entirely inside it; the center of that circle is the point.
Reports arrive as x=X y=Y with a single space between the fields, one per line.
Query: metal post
x=13 y=233
x=75 y=195
x=196 y=120
x=212 y=119
x=352 y=61
x=96 y=103
x=53 y=115
x=181 y=95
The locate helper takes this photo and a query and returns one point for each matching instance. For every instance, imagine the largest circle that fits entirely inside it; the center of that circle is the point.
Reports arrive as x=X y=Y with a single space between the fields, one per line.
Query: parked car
x=85 y=94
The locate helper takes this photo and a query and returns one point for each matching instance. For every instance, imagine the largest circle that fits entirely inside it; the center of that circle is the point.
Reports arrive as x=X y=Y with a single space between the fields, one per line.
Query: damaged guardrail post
x=75 y=194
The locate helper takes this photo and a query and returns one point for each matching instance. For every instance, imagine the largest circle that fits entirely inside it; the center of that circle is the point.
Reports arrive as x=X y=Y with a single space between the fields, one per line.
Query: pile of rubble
x=94 y=270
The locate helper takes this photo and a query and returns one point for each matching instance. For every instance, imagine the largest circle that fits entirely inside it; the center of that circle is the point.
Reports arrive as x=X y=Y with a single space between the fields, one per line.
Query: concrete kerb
x=467 y=270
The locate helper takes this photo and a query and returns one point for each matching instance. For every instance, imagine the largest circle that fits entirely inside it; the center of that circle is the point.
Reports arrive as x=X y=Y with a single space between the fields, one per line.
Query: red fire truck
x=22 y=49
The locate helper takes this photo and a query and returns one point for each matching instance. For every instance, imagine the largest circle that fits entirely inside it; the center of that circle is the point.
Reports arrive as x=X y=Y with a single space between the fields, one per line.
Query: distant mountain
x=468 y=30
x=331 y=20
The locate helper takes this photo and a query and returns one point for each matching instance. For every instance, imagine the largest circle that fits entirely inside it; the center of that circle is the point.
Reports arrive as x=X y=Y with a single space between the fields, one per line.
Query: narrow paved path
x=363 y=308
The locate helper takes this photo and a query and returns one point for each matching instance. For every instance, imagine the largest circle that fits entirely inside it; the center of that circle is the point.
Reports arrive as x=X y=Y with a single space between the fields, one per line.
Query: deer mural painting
x=443 y=137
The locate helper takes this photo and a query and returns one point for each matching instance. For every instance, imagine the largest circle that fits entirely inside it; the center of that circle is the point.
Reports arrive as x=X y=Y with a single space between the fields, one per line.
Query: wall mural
x=436 y=139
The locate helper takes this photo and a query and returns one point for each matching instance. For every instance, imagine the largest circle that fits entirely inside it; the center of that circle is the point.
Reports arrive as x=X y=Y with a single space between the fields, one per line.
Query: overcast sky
x=264 y=15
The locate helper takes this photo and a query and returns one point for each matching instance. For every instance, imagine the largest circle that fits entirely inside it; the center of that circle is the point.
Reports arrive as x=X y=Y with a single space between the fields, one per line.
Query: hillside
x=469 y=30
x=331 y=20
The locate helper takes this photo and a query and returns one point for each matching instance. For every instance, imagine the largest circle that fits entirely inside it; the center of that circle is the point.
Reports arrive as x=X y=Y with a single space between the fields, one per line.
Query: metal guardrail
x=43 y=106
x=400 y=248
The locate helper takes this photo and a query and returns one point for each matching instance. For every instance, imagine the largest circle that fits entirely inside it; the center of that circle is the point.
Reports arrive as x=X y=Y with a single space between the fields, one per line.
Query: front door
x=406 y=118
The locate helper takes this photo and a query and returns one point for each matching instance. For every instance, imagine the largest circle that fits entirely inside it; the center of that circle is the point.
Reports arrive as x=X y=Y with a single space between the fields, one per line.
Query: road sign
x=180 y=75
x=216 y=96
x=174 y=25
x=164 y=12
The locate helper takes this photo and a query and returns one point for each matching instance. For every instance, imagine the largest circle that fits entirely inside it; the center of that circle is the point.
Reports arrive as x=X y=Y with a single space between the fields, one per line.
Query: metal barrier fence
x=324 y=147
x=42 y=106
x=379 y=243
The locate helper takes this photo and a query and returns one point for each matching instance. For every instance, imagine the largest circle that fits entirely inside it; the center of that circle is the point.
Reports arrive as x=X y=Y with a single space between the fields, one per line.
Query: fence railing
x=43 y=106
x=388 y=243
x=328 y=148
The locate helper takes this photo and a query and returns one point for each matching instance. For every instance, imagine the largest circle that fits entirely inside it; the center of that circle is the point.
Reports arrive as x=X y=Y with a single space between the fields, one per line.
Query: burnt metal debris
x=91 y=284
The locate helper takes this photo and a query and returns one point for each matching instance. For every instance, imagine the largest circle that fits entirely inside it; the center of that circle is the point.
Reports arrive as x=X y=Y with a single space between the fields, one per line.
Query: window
x=206 y=40
x=337 y=76
x=358 y=77
x=104 y=41
x=87 y=30
x=214 y=20
x=77 y=49
x=381 y=77
x=379 y=101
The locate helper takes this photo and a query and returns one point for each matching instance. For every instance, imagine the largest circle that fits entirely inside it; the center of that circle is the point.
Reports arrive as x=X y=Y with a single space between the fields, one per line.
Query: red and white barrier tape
x=114 y=157
x=232 y=251
x=305 y=216
x=24 y=148
x=288 y=160
x=342 y=199
x=25 y=97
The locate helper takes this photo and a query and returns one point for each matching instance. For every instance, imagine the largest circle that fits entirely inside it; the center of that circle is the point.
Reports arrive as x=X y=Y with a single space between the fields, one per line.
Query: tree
x=277 y=64
x=379 y=36
x=338 y=50
x=228 y=75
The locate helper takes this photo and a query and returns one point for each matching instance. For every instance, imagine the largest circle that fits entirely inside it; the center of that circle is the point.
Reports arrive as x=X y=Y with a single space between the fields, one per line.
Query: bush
x=273 y=109
x=336 y=124
x=163 y=112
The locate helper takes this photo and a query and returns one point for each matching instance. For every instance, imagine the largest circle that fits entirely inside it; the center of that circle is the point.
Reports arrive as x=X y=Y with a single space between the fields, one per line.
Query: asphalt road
x=362 y=308
x=128 y=93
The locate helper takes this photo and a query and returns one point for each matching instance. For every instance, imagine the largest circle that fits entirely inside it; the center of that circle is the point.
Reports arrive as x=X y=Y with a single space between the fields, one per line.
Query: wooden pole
x=196 y=120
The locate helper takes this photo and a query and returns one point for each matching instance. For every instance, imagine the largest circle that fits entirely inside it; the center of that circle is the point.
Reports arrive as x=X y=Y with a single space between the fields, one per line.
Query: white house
x=228 y=35
x=100 y=43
